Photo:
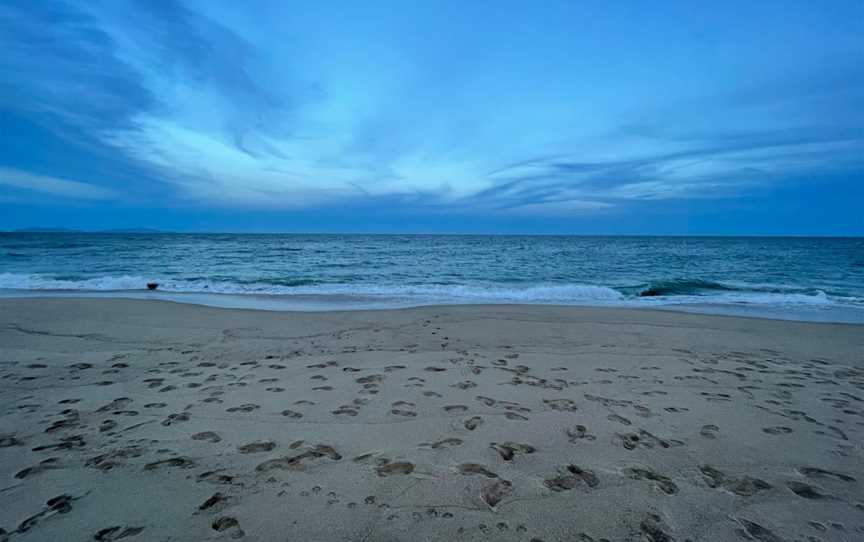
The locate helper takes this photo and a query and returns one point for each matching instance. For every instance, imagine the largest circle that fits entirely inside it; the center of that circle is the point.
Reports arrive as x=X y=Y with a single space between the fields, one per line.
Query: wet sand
x=147 y=420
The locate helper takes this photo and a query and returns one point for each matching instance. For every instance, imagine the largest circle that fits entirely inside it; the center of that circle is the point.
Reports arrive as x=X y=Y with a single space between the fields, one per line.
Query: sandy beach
x=147 y=420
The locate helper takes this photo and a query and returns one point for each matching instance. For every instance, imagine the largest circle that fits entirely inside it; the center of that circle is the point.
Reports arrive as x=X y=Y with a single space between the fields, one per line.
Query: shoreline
x=320 y=303
x=173 y=421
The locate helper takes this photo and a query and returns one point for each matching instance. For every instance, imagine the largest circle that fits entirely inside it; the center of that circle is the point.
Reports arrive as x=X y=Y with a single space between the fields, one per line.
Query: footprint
x=574 y=477
x=814 y=472
x=175 y=418
x=579 y=432
x=495 y=492
x=396 y=467
x=62 y=504
x=777 y=430
x=291 y=413
x=110 y=534
x=644 y=439
x=445 y=443
x=507 y=450
x=665 y=484
x=209 y=436
x=564 y=405
x=296 y=461
x=455 y=408
x=655 y=529
x=7 y=441
x=107 y=425
x=619 y=419
x=212 y=501
x=473 y=423
x=230 y=524
x=464 y=385
x=744 y=486
x=345 y=410
x=256 y=447
x=403 y=413
x=709 y=431
x=758 y=532
x=475 y=468
x=806 y=491
x=248 y=407
x=44 y=465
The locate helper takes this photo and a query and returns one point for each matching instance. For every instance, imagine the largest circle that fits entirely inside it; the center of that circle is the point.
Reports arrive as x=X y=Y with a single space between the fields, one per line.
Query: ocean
x=818 y=279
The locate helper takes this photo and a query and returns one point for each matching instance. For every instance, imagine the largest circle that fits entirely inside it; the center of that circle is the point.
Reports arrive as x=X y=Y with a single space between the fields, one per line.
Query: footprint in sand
x=508 y=450
x=757 y=532
x=208 y=436
x=248 y=407
x=45 y=465
x=806 y=491
x=345 y=410
x=230 y=525
x=213 y=500
x=257 y=447
x=744 y=486
x=777 y=430
x=403 y=413
x=619 y=419
x=495 y=492
x=709 y=431
x=572 y=478
x=118 y=532
x=814 y=472
x=455 y=408
x=446 y=443
x=464 y=385
x=175 y=418
x=396 y=467
x=476 y=468
x=473 y=423
x=579 y=432
x=664 y=483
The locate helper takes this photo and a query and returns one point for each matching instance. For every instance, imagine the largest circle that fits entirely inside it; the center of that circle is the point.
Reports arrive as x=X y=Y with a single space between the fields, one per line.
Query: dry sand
x=146 y=420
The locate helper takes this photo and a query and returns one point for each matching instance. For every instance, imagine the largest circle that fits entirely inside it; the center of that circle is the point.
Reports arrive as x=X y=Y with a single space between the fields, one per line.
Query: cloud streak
x=54 y=186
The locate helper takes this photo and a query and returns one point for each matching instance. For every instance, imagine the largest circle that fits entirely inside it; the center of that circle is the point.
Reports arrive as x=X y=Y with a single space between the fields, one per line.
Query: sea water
x=791 y=278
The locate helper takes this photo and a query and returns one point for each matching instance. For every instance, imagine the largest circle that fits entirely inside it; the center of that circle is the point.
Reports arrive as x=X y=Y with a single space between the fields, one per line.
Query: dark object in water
x=152 y=285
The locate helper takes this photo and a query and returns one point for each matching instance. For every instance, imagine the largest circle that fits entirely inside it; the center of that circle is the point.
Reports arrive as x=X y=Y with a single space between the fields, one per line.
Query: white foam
x=403 y=295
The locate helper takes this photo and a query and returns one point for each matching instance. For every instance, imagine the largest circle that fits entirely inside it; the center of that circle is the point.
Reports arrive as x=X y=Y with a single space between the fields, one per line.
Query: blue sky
x=511 y=117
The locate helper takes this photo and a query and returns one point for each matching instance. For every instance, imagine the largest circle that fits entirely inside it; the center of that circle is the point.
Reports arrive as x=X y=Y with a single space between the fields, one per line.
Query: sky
x=587 y=117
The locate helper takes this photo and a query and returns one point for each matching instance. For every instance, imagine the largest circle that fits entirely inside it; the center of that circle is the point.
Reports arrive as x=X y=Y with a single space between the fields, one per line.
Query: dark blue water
x=809 y=278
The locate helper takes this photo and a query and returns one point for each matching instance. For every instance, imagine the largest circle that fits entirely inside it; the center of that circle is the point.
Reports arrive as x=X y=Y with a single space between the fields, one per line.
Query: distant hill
x=70 y=230
x=46 y=230
x=132 y=230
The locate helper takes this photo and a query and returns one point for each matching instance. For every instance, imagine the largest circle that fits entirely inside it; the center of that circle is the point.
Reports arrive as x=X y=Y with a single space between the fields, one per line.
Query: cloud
x=54 y=186
x=301 y=110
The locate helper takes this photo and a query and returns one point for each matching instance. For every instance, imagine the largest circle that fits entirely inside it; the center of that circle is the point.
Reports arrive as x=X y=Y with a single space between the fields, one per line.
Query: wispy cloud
x=54 y=186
